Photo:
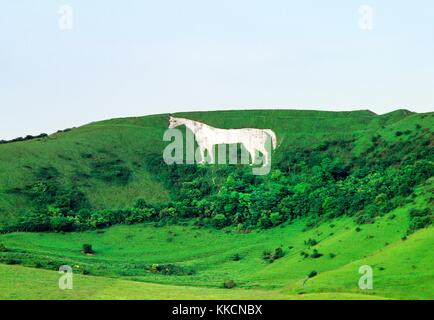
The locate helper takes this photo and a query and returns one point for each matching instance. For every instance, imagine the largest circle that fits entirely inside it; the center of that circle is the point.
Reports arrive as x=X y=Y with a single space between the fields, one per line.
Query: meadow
x=120 y=265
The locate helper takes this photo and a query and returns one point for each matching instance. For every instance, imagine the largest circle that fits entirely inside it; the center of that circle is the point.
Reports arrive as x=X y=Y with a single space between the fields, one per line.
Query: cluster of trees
x=320 y=183
x=28 y=137
x=419 y=219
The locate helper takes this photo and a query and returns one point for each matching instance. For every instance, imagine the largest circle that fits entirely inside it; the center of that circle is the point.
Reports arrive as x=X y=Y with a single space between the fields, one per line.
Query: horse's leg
x=252 y=153
x=202 y=155
x=265 y=155
x=211 y=154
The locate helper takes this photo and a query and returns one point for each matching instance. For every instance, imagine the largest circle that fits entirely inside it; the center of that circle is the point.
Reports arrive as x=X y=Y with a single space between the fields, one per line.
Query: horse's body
x=206 y=136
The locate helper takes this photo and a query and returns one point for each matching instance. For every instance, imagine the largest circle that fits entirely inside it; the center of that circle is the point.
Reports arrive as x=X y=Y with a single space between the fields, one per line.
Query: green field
x=188 y=258
x=402 y=269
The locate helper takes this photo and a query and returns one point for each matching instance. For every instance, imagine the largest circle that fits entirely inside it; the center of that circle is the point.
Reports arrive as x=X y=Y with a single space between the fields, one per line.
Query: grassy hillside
x=126 y=142
x=346 y=189
x=401 y=268
x=30 y=284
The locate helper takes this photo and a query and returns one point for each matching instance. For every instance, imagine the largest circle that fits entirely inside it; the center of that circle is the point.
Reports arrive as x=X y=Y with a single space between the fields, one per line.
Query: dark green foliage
x=219 y=220
x=13 y=261
x=235 y=257
x=111 y=171
x=85 y=272
x=315 y=254
x=170 y=269
x=319 y=183
x=26 y=138
x=311 y=242
x=271 y=256
x=3 y=248
x=332 y=255
x=87 y=248
x=366 y=217
x=278 y=253
x=312 y=274
x=229 y=284
x=419 y=219
x=304 y=254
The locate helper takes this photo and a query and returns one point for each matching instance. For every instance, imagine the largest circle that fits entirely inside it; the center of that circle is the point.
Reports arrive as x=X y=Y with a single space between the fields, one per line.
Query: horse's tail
x=273 y=137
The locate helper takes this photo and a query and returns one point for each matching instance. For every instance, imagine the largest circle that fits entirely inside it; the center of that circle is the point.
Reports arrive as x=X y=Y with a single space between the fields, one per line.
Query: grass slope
x=35 y=284
x=129 y=140
x=402 y=268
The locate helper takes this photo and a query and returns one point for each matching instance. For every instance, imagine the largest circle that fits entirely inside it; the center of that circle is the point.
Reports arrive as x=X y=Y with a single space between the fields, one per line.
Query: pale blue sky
x=131 y=58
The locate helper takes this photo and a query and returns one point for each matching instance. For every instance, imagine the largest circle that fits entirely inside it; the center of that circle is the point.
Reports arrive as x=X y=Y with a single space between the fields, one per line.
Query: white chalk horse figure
x=207 y=137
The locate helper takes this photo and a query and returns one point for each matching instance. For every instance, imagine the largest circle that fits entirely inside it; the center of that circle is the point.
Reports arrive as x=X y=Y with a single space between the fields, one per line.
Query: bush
x=278 y=253
x=332 y=255
x=236 y=257
x=304 y=254
x=219 y=220
x=364 y=219
x=87 y=248
x=13 y=261
x=419 y=219
x=229 y=284
x=111 y=171
x=3 y=248
x=170 y=269
x=311 y=242
x=315 y=254
x=271 y=256
x=85 y=271
x=312 y=274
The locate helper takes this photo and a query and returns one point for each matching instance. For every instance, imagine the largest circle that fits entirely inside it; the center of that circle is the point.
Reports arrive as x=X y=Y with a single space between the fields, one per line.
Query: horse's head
x=174 y=122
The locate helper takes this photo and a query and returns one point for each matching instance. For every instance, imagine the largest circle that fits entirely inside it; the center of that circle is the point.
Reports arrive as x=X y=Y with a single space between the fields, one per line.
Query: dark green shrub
x=111 y=171
x=13 y=261
x=85 y=272
x=267 y=255
x=229 y=284
x=278 y=253
x=311 y=242
x=219 y=220
x=419 y=219
x=170 y=269
x=364 y=219
x=87 y=248
x=270 y=256
x=315 y=254
x=236 y=257
x=312 y=274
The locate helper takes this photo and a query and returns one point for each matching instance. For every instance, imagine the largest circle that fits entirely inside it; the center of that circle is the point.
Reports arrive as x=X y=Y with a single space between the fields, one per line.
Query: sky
x=67 y=63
